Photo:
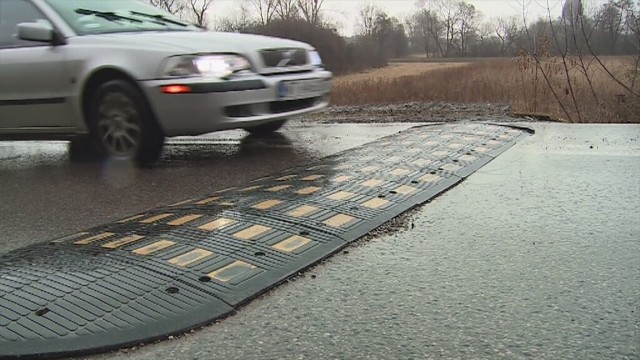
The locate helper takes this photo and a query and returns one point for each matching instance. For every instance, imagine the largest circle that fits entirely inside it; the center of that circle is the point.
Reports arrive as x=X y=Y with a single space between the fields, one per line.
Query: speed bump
x=183 y=265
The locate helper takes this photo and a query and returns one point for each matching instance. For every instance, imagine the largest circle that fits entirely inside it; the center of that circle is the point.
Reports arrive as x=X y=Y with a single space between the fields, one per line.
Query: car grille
x=274 y=107
x=278 y=107
x=284 y=58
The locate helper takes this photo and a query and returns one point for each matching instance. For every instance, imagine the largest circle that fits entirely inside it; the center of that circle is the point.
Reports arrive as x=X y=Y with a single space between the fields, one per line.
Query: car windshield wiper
x=107 y=15
x=160 y=18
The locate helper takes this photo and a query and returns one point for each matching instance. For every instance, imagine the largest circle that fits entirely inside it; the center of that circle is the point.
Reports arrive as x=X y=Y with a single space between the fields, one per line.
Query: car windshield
x=100 y=17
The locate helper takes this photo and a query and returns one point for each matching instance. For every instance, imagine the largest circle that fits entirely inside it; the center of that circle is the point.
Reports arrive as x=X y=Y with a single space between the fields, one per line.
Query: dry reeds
x=529 y=86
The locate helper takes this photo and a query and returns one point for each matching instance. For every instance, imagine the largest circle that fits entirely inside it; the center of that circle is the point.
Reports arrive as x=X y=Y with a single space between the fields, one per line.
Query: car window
x=87 y=17
x=12 y=13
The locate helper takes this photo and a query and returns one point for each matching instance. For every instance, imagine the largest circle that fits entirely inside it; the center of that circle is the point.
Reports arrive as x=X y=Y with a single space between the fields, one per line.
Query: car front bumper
x=243 y=102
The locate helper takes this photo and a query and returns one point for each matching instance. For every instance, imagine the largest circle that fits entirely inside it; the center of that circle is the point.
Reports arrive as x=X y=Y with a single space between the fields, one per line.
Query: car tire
x=267 y=128
x=122 y=124
x=82 y=149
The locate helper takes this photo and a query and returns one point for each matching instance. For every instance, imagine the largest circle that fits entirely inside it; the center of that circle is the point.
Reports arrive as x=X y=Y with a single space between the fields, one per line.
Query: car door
x=34 y=86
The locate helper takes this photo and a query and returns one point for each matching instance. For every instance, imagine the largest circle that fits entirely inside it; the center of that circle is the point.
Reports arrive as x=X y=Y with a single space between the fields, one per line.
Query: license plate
x=300 y=89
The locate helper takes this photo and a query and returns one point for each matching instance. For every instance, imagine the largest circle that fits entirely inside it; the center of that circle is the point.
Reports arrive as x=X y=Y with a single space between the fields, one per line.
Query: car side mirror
x=35 y=31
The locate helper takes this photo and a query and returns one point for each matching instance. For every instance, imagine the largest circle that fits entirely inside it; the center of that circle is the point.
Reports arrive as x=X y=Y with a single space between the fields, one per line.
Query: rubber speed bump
x=178 y=267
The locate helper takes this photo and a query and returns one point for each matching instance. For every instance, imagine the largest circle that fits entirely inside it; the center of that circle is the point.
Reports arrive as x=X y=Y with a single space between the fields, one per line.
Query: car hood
x=198 y=41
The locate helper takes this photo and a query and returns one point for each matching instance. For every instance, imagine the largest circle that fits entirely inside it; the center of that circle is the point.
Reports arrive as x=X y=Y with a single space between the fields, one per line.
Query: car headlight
x=220 y=66
x=315 y=59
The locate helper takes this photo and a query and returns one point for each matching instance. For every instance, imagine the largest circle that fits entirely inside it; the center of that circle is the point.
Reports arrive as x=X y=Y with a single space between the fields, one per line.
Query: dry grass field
x=527 y=88
x=399 y=69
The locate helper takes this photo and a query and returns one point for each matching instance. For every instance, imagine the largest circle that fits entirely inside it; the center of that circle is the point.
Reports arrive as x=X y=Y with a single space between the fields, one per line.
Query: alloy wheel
x=119 y=124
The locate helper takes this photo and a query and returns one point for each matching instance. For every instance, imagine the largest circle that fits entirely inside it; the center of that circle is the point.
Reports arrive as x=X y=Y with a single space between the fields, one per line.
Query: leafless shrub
x=577 y=67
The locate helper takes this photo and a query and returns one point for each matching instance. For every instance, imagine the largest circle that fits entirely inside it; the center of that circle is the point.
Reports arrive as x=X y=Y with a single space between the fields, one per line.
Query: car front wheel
x=123 y=125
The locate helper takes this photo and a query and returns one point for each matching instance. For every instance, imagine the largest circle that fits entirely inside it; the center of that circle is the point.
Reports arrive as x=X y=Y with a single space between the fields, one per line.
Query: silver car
x=120 y=75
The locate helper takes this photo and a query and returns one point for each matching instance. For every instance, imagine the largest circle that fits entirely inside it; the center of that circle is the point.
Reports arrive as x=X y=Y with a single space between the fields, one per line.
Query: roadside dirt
x=415 y=112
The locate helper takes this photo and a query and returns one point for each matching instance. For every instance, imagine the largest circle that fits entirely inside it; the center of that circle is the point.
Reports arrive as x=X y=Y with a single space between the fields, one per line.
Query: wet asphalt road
x=45 y=195
x=537 y=255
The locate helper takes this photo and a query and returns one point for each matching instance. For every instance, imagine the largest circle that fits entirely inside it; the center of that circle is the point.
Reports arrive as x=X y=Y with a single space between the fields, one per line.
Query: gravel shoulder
x=416 y=112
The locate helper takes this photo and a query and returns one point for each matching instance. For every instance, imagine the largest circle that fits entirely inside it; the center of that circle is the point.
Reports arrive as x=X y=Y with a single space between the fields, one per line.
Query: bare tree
x=564 y=70
x=286 y=9
x=266 y=9
x=614 y=19
x=175 y=7
x=382 y=28
x=426 y=26
x=506 y=29
x=448 y=13
x=467 y=18
x=484 y=32
x=367 y=18
x=194 y=11
x=197 y=12
x=311 y=10
x=572 y=10
x=634 y=27
x=418 y=33
x=236 y=21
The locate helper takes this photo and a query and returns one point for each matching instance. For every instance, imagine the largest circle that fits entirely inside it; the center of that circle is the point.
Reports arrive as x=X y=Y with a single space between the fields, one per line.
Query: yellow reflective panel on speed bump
x=342 y=178
x=183 y=220
x=231 y=271
x=399 y=172
x=451 y=167
x=94 y=238
x=373 y=183
x=155 y=247
x=267 y=204
x=251 y=188
x=375 y=203
x=286 y=177
x=217 y=224
x=430 y=178
x=422 y=162
x=405 y=190
x=183 y=202
x=303 y=210
x=225 y=190
x=370 y=168
x=190 y=257
x=292 y=244
x=130 y=219
x=278 y=188
x=341 y=195
x=155 y=218
x=339 y=220
x=208 y=200
x=252 y=232
x=312 y=178
x=122 y=242
x=308 y=190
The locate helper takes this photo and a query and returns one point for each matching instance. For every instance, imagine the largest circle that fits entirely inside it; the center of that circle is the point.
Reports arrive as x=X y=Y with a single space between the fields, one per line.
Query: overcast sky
x=344 y=12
